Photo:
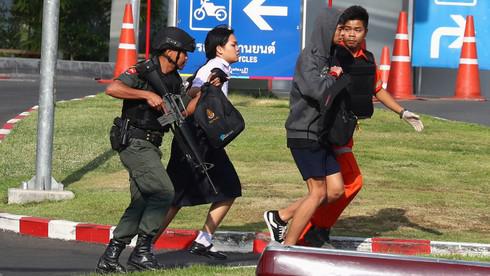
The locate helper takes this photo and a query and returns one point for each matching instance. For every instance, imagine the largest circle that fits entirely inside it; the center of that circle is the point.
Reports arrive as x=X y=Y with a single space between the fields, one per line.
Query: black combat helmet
x=174 y=39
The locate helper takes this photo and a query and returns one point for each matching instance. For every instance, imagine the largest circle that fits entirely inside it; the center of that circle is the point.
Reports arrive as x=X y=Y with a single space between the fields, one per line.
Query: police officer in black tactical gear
x=137 y=136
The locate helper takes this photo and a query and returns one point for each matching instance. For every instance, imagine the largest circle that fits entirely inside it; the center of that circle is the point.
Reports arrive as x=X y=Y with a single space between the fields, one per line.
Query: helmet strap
x=174 y=62
x=178 y=57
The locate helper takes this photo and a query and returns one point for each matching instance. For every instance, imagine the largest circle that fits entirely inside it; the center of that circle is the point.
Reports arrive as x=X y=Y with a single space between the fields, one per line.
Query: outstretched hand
x=413 y=119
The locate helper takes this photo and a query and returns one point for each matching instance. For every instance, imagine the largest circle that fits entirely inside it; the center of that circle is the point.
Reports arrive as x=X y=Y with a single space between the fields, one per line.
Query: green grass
x=462 y=257
x=431 y=185
x=199 y=270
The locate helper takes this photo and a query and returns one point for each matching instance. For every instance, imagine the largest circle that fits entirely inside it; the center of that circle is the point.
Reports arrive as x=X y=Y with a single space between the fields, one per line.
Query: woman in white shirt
x=190 y=188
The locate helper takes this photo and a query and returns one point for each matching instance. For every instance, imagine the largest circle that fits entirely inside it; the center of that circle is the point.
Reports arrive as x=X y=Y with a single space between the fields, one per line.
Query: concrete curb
x=229 y=241
x=10 y=124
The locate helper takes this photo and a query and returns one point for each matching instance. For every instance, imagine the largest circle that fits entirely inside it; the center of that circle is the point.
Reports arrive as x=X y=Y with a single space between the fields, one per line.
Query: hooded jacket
x=311 y=79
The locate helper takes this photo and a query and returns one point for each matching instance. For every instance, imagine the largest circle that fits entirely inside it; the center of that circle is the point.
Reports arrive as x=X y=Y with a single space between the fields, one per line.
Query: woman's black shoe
x=199 y=249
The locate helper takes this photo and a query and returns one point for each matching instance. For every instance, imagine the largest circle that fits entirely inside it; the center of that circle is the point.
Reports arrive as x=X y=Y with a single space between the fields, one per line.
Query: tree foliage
x=21 y=24
x=83 y=27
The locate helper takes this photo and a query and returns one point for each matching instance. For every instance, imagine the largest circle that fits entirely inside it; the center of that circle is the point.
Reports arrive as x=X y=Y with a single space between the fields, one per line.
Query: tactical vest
x=363 y=77
x=141 y=115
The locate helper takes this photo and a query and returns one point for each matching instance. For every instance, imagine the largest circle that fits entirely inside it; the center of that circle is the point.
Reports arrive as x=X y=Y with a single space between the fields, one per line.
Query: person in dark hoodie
x=316 y=163
x=359 y=63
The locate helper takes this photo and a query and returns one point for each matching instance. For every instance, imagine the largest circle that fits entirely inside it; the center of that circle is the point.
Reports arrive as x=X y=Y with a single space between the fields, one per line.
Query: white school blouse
x=203 y=73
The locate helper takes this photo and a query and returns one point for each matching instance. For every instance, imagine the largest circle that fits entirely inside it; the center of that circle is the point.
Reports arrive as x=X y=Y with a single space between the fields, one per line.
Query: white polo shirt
x=203 y=73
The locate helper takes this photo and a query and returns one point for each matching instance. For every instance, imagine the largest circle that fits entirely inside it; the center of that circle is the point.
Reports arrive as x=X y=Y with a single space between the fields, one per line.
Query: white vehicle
x=209 y=9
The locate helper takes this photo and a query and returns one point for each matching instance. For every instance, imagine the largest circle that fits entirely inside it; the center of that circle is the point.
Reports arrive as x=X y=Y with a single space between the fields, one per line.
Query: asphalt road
x=477 y=112
x=25 y=255
x=18 y=95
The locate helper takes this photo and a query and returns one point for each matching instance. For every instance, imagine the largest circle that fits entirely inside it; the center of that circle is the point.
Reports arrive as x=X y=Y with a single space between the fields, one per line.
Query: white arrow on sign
x=435 y=41
x=255 y=11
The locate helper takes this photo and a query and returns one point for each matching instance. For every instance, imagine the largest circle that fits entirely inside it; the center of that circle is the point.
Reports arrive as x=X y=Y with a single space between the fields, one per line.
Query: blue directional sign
x=439 y=30
x=268 y=33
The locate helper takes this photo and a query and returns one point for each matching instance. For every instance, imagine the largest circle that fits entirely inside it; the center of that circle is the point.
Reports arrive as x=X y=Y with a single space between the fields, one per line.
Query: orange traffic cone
x=126 y=53
x=468 y=79
x=384 y=66
x=400 y=77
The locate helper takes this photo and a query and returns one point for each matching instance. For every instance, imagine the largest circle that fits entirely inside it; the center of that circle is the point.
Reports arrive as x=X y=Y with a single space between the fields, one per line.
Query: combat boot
x=142 y=257
x=109 y=261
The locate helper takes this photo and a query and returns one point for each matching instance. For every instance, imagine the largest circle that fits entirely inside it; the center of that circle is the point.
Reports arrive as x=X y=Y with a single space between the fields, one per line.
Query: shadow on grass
x=386 y=220
x=77 y=175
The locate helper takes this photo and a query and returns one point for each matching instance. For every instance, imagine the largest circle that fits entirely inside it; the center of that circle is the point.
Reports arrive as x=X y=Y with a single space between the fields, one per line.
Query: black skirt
x=192 y=187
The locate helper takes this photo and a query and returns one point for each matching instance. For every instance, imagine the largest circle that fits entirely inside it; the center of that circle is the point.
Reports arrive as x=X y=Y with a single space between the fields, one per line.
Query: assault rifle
x=173 y=118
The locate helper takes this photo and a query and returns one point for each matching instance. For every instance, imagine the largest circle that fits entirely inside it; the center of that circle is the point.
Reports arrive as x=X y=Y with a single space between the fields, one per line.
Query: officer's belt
x=153 y=137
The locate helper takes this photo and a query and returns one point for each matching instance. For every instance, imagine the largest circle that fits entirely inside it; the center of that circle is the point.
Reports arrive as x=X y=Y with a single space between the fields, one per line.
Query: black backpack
x=336 y=122
x=336 y=125
x=217 y=117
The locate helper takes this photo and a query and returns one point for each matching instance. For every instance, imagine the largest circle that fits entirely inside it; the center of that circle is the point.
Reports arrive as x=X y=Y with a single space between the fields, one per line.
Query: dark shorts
x=318 y=162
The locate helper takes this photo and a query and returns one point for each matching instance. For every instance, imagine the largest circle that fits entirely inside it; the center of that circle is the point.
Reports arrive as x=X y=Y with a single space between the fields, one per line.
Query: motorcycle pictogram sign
x=205 y=14
x=210 y=9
